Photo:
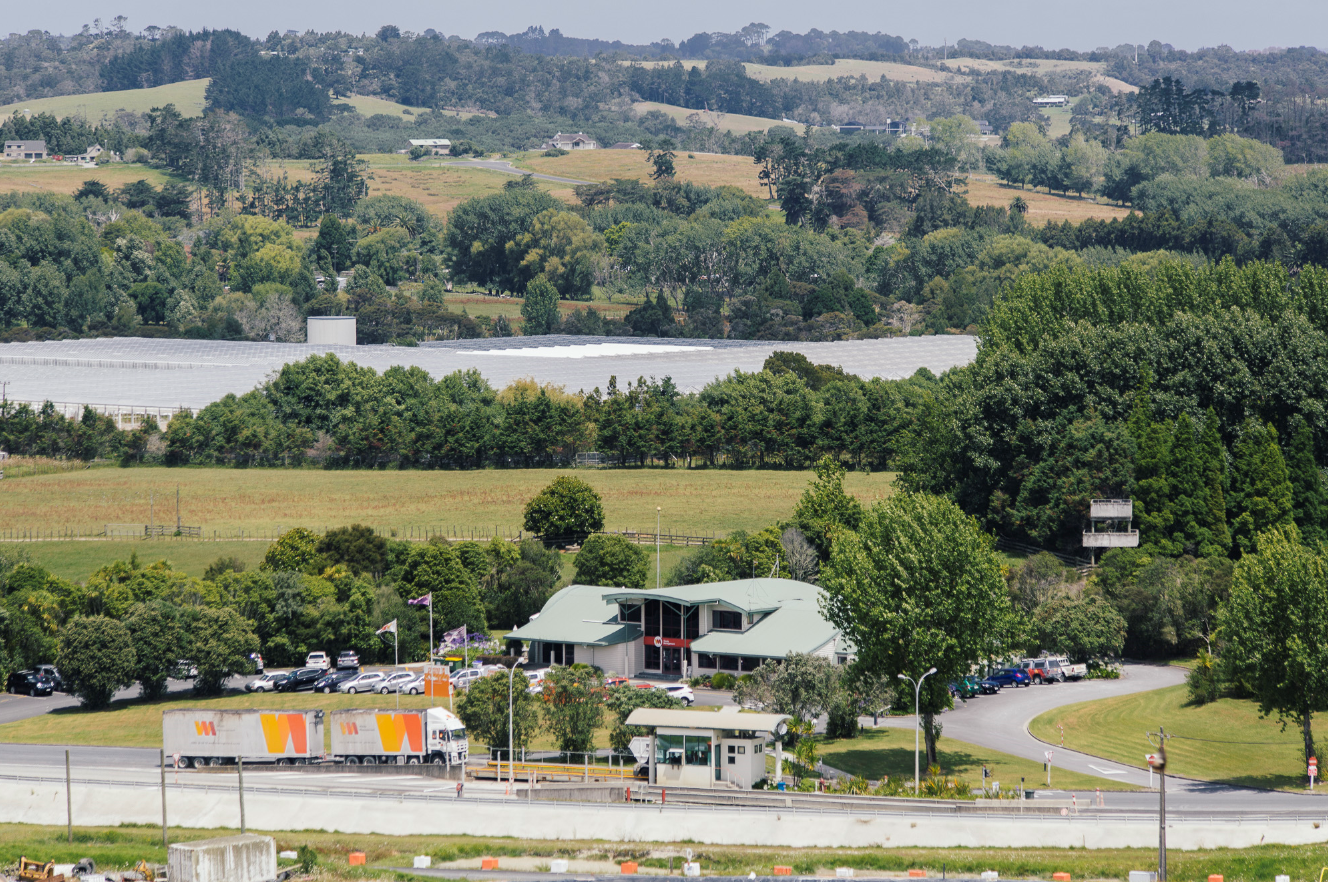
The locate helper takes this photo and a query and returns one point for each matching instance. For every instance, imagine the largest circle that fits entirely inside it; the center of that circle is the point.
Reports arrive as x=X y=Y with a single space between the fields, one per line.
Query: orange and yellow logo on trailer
x=394 y=728
x=350 y=728
x=280 y=730
x=205 y=727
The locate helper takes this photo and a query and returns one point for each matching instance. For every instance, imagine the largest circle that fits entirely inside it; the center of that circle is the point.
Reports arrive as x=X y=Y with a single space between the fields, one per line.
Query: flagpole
x=429 y=668
x=396 y=660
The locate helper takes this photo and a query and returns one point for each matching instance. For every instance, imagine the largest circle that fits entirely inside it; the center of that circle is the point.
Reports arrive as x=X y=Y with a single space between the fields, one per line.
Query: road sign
x=1049 y=756
x=1151 y=759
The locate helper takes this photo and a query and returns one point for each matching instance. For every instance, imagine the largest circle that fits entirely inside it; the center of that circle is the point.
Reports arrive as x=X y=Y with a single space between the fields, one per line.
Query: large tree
x=483 y=707
x=1274 y=626
x=568 y=510
x=612 y=561
x=154 y=628
x=220 y=644
x=919 y=586
x=573 y=706
x=96 y=658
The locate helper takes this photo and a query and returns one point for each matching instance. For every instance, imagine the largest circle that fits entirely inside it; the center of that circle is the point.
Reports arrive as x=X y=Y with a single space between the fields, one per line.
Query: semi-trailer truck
x=220 y=737
x=433 y=735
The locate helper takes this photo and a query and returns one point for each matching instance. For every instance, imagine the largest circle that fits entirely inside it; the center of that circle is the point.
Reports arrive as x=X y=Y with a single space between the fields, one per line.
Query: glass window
x=750 y=664
x=669 y=749
x=703 y=660
x=698 y=751
x=650 y=616
x=728 y=662
x=569 y=654
x=629 y=612
x=725 y=620
x=672 y=618
x=652 y=657
x=692 y=623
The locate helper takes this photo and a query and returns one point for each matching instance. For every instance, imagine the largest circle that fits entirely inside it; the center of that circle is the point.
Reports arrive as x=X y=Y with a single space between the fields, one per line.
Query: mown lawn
x=881 y=752
x=1224 y=741
x=117 y=848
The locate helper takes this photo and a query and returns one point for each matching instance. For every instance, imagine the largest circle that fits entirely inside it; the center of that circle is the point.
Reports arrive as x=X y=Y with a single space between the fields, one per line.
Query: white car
x=680 y=691
x=392 y=682
x=536 y=680
x=318 y=660
x=413 y=686
x=463 y=678
x=266 y=683
x=367 y=682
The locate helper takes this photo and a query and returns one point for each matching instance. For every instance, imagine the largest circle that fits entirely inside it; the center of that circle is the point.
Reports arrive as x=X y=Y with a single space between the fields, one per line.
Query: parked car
x=29 y=683
x=463 y=678
x=1052 y=669
x=986 y=685
x=300 y=679
x=392 y=681
x=535 y=679
x=962 y=689
x=1009 y=677
x=258 y=662
x=268 y=682
x=317 y=660
x=680 y=691
x=330 y=681
x=366 y=682
x=413 y=686
x=185 y=670
x=50 y=673
x=615 y=681
x=348 y=659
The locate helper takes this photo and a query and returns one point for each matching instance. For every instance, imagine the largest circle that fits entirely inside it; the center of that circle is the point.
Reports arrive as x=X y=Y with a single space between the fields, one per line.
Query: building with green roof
x=682 y=631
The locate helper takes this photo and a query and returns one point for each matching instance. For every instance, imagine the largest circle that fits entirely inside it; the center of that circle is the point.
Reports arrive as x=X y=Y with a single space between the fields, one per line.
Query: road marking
x=1103 y=771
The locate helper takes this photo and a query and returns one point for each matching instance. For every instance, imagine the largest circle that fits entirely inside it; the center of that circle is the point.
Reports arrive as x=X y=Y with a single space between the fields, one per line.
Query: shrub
x=555 y=151
x=723 y=681
x=1203 y=683
x=307 y=857
x=96 y=658
x=842 y=721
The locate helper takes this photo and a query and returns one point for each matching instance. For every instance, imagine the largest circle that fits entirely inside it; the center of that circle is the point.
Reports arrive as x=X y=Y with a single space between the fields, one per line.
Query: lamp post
x=511 y=745
x=917 y=722
x=657 y=515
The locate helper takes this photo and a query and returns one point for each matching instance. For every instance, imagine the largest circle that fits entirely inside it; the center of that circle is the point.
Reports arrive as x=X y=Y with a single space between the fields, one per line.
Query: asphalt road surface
x=502 y=165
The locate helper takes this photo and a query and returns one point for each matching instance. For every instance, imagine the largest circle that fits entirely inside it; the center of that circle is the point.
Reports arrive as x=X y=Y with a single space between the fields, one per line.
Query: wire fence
x=409 y=533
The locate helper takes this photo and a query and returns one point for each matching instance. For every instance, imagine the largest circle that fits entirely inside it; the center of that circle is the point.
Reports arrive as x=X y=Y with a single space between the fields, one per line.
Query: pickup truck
x=1052 y=669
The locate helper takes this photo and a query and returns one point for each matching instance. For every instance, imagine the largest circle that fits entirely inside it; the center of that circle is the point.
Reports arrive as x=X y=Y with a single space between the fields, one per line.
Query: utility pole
x=164 y=841
x=657 y=514
x=69 y=801
x=240 y=765
x=1158 y=761
x=177 y=508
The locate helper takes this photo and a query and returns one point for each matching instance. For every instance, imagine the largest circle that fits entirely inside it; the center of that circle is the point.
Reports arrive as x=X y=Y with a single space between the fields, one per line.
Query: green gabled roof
x=744 y=595
x=796 y=626
x=578 y=614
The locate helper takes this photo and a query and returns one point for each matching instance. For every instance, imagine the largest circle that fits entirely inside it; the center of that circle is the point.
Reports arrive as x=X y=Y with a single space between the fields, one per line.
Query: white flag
x=389 y=627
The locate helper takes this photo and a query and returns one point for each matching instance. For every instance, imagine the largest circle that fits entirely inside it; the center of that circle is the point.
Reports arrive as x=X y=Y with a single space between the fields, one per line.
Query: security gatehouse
x=682 y=631
x=704 y=749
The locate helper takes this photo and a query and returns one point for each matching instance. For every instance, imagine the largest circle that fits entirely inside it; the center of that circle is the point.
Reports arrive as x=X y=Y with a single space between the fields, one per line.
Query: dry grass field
x=852 y=67
x=264 y=501
x=712 y=169
x=64 y=177
x=733 y=122
x=96 y=106
x=1042 y=206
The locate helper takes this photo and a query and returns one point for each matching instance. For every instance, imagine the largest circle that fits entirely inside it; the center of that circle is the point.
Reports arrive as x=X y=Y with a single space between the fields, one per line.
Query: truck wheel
x=436 y=761
x=283 y=761
x=1037 y=678
x=371 y=760
x=413 y=761
x=214 y=761
x=352 y=760
x=1060 y=678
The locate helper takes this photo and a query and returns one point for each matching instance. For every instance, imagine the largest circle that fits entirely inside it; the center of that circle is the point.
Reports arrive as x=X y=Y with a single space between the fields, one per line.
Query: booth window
x=725 y=620
x=677 y=750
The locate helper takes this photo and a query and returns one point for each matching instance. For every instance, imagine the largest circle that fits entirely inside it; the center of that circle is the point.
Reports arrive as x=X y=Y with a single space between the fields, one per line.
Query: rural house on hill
x=578 y=141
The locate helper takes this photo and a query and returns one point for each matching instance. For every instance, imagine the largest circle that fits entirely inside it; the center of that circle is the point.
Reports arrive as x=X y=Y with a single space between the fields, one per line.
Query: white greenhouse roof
x=132 y=371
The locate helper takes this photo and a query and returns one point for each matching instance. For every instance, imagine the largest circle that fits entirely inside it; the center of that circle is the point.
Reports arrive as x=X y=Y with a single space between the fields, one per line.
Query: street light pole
x=917 y=721
x=657 y=514
x=511 y=767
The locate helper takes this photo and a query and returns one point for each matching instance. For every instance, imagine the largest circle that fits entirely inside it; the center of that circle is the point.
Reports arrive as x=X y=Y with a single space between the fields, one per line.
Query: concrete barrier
x=559 y=792
x=242 y=858
x=43 y=802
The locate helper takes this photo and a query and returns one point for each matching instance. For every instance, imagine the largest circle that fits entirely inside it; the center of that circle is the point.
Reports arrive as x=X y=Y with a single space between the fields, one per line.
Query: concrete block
x=243 y=858
x=917 y=874
x=1281 y=879
x=990 y=876
x=355 y=858
x=627 y=868
x=488 y=863
x=423 y=862
x=843 y=872
x=691 y=868
x=288 y=855
x=1147 y=876
x=1215 y=877
x=783 y=871
x=1060 y=877
x=558 y=866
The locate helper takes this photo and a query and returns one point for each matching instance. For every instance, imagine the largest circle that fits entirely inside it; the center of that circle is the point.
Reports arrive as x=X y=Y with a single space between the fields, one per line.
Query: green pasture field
x=187 y=96
x=78 y=559
x=68 y=177
x=1224 y=741
x=695 y=502
x=119 y=848
x=709 y=169
x=888 y=751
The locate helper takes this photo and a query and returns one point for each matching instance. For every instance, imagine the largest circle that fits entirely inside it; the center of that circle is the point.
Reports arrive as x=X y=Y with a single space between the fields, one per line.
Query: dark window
x=652 y=658
x=650 y=611
x=750 y=664
x=725 y=620
x=728 y=662
x=705 y=661
x=672 y=615
x=629 y=612
x=692 y=622
x=569 y=653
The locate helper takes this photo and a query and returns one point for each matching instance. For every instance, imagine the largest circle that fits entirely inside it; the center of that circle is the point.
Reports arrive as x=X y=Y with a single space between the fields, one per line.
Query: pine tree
x=1152 y=490
x=1307 y=492
x=1260 y=486
x=1186 y=509
x=1216 y=540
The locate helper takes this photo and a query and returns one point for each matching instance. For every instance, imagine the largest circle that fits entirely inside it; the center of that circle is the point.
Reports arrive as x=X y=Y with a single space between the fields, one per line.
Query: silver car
x=394 y=682
x=366 y=682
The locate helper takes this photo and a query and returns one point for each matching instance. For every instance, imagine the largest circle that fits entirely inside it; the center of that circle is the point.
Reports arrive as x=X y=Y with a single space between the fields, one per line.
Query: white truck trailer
x=410 y=737
x=220 y=737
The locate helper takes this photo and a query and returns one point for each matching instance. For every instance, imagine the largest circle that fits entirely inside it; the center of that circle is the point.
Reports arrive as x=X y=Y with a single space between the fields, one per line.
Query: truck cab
x=448 y=744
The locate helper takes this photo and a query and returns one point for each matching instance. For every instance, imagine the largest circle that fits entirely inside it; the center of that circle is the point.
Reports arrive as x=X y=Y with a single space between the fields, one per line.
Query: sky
x=1074 y=24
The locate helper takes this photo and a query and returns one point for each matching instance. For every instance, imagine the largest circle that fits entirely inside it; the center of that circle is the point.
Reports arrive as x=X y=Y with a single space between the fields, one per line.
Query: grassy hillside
x=224 y=499
x=63 y=177
x=186 y=96
x=733 y=122
x=851 y=67
x=712 y=169
x=1042 y=206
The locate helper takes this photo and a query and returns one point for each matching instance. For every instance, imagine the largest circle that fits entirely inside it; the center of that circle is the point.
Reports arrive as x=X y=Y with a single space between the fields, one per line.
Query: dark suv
x=330 y=682
x=29 y=683
x=299 y=679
